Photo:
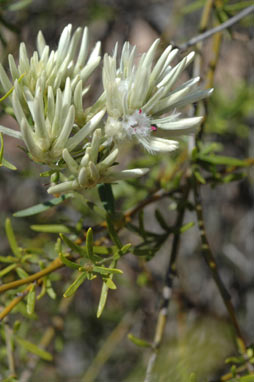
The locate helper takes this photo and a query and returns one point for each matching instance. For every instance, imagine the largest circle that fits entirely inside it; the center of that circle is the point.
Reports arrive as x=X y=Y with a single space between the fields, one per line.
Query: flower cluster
x=139 y=102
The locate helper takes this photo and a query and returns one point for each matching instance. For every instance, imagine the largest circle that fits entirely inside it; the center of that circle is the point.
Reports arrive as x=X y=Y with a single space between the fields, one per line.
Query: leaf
x=50 y=291
x=11 y=238
x=50 y=228
x=138 y=341
x=19 y=5
x=247 y=378
x=112 y=232
x=110 y=284
x=30 y=347
x=126 y=248
x=6 y=270
x=199 y=177
x=107 y=197
x=104 y=270
x=8 y=259
x=186 y=227
x=103 y=299
x=21 y=273
x=67 y=262
x=72 y=245
x=160 y=219
x=1 y=148
x=223 y=160
x=89 y=243
x=31 y=297
x=75 y=285
x=8 y=165
x=38 y=208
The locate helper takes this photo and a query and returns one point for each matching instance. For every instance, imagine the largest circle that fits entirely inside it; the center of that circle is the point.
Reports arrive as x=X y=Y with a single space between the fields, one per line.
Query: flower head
x=140 y=97
x=48 y=100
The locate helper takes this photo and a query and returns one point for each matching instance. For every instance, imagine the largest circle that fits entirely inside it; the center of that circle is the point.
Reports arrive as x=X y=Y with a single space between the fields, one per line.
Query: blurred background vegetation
x=198 y=336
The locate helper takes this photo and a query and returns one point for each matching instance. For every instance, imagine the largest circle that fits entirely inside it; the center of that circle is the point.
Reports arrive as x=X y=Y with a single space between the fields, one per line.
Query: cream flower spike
x=89 y=171
x=141 y=101
x=50 y=132
x=54 y=66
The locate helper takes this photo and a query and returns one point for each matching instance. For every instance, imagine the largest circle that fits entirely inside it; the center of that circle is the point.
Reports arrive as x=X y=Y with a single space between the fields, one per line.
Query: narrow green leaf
x=103 y=299
x=11 y=238
x=138 y=341
x=126 y=248
x=107 y=197
x=193 y=377
x=19 y=5
x=73 y=246
x=89 y=243
x=199 y=177
x=1 y=148
x=160 y=219
x=8 y=165
x=21 y=273
x=30 y=347
x=223 y=160
x=186 y=227
x=75 y=285
x=105 y=270
x=110 y=284
x=247 y=378
x=50 y=228
x=112 y=232
x=67 y=262
x=31 y=297
x=38 y=208
x=8 y=269
x=50 y=291
x=8 y=259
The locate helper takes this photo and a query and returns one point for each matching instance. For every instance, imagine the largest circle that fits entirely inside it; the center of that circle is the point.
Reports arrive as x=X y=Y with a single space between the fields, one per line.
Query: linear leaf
x=67 y=262
x=50 y=228
x=31 y=297
x=38 y=208
x=11 y=238
x=75 y=285
x=138 y=341
x=32 y=348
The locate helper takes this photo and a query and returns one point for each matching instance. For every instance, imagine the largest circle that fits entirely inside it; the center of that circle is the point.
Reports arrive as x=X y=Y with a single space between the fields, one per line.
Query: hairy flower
x=91 y=170
x=53 y=67
x=141 y=101
x=48 y=95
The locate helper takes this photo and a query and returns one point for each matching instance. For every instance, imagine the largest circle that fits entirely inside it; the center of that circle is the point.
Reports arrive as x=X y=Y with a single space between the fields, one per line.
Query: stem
x=219 y=28
x=167 y=289
x=14 y=302
x=211 y=262
x=56 y=264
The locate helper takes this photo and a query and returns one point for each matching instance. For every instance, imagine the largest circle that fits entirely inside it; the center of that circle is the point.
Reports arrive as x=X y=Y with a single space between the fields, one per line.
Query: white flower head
x=53 y=67
x=48 y=95
x=141 y=101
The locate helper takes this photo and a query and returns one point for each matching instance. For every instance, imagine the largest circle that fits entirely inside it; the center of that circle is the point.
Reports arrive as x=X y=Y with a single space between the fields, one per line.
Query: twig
x=219 y=28
x=56 y=264
x=14 y=302
x=167 y=289
x=211 y=262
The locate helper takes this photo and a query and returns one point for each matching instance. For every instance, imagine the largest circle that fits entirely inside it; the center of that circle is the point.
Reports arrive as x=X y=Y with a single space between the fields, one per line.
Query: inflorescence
x=139 y=103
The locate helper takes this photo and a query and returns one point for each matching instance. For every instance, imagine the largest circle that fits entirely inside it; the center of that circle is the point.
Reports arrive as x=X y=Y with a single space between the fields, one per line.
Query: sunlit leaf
x=38 y=208
x=138 y=341
x=32 y=348
x=11 y=238
x=31 y=297
x=75 y=285
x=50 y=228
